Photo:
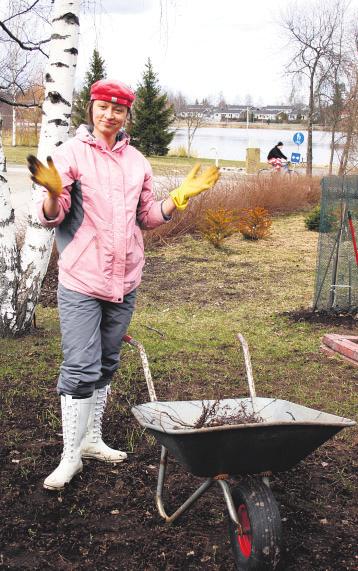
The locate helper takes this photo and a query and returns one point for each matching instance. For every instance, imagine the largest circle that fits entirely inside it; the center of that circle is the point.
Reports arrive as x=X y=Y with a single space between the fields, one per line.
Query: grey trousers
x=92 y=331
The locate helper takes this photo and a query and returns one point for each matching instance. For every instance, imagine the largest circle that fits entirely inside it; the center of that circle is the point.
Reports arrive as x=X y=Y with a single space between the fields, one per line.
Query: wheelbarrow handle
x=148 y=376
x=250 y=378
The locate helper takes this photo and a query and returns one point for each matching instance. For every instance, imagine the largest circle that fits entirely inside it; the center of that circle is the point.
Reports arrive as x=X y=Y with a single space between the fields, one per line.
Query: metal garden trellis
x=336 y=286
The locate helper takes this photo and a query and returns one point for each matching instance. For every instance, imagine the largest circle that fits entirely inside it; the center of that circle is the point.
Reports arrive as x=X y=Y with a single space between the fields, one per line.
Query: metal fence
x=337 y=260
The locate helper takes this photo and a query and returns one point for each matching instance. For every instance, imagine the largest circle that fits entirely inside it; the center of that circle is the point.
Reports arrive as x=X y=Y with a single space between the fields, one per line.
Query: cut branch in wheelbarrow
x=211 y=414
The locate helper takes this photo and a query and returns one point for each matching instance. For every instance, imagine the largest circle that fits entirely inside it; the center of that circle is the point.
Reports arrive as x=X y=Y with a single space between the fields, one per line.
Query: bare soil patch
x=350 y=321
x=107 y=520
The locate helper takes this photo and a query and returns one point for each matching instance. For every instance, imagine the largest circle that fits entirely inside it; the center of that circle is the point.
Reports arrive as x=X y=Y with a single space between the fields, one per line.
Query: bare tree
x=177 y=100
x=312 y=30
x=21 y=49
x=193 y=116
x=30 y=118
x=22 y=270
x=331 y=92
x=221 y=101
x=31 y=11
x=348 y=158
x=192 y=122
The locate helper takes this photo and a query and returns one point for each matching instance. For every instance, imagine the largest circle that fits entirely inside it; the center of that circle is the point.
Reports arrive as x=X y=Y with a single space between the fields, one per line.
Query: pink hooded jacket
x=107 y=197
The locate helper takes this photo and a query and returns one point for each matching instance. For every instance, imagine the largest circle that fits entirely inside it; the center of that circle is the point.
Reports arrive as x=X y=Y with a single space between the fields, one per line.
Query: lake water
x=231 y=143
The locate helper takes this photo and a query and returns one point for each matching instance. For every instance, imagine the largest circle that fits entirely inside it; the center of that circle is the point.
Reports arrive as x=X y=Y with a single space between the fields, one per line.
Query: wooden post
x=252 y=160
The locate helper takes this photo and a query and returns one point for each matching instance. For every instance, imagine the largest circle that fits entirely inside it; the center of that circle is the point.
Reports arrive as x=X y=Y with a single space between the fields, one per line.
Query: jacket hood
x=85 y=133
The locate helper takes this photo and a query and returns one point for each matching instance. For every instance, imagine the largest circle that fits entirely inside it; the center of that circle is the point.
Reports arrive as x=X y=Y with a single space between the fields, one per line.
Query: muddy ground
x=107 y=520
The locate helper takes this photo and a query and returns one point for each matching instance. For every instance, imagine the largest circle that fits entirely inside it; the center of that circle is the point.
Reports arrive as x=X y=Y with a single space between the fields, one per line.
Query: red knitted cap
x=114 y=91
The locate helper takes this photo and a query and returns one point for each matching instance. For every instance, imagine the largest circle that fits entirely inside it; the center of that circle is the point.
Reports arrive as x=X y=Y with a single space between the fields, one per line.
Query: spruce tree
x=96 y=71
x=153 y=116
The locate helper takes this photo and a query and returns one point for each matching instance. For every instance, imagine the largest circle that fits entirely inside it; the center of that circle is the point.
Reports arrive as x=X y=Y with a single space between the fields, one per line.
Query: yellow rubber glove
x=47 y=177
x=194 y=184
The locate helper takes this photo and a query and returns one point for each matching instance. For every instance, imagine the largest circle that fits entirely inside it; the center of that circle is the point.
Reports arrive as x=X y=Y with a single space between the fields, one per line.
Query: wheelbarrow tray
x=288 y=433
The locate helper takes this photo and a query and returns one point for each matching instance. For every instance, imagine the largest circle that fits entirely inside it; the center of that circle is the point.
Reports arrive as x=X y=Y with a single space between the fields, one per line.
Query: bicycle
x=279 y=168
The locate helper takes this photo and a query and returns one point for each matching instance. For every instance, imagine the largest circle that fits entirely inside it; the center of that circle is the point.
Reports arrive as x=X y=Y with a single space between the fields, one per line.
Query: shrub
x=182 y=152
x=314 y=222
x=218 y=225
x=255 y=223
x=313 y=218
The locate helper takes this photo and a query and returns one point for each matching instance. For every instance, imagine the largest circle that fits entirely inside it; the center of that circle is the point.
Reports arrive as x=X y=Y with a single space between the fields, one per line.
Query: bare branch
x=23 y=12
x=15 y=104
x=20 y=43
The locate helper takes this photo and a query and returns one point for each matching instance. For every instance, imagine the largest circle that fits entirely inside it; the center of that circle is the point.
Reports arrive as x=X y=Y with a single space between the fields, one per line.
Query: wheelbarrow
x=277 y=436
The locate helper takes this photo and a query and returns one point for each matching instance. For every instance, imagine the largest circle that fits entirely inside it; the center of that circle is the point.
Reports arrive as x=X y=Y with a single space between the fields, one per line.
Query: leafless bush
x=277 y=194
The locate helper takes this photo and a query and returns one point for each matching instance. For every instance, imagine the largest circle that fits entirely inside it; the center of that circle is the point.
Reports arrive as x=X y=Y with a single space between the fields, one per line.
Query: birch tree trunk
x=13 y=139
x=23 y=271
x=8 y=259
x=2 y=154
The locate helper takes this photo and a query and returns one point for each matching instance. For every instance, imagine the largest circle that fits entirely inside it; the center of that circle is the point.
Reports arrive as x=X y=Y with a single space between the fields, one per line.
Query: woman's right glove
x=45 y=176
x=193 y=184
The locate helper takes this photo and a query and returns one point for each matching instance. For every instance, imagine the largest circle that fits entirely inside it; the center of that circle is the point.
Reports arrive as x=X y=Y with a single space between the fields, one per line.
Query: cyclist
x=277 y=159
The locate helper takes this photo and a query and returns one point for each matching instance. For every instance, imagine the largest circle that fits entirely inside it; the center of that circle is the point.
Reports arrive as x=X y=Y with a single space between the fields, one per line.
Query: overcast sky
x=199 y=47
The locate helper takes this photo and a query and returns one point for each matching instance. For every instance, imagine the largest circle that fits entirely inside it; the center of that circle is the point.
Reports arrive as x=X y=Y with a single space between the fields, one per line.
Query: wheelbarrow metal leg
x=160 y=486
x=229 y=502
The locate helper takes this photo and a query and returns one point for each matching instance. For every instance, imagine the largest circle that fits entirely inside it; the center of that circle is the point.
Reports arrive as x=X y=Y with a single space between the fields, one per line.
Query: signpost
x=298 y=138
x=295 y=158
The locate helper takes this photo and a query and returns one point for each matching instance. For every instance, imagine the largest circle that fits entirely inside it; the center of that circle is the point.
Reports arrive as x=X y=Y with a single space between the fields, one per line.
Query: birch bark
x=26 y=269
x=2 y=154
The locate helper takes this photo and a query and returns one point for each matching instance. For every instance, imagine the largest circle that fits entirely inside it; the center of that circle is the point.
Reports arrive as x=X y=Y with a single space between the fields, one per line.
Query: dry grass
x=235 y=193
x=25 y=137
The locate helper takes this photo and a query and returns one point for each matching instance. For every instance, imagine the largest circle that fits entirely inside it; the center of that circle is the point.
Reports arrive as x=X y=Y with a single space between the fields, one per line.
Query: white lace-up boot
x=93 y=445
x=74 y=423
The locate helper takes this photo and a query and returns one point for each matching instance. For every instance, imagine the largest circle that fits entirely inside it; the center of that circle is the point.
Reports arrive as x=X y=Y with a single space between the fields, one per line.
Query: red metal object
x=245 y=538
x=350 y=222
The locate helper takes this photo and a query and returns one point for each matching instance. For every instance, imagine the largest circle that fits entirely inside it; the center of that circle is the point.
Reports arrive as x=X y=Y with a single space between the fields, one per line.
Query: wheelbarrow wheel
x=258 y=546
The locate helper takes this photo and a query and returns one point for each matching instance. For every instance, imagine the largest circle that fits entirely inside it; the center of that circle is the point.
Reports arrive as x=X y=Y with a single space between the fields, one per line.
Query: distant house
x=6 y=114
x=231 y=113
x=273 y=113
x=196 y=110
x=227 y=113
x=298 y=114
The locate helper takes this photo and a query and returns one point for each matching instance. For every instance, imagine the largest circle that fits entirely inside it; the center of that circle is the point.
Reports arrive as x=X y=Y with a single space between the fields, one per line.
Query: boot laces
x=98 y=413
x=69 y=420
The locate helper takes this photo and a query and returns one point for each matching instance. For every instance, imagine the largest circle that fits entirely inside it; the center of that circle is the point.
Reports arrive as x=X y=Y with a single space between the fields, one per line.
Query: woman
x=98 y=196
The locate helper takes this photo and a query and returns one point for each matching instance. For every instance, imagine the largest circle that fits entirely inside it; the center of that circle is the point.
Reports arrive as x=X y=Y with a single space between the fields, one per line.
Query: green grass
x=160 y=165
x=17 y=155
x=193 y=301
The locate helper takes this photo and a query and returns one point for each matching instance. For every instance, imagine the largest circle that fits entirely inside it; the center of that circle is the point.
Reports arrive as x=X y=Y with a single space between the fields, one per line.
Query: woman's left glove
x=194 y=184
x=45 y=176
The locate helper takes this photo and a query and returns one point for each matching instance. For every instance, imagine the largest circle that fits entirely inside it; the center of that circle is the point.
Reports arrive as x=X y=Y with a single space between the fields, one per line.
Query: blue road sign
x=295 y=158
x=298 y=138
